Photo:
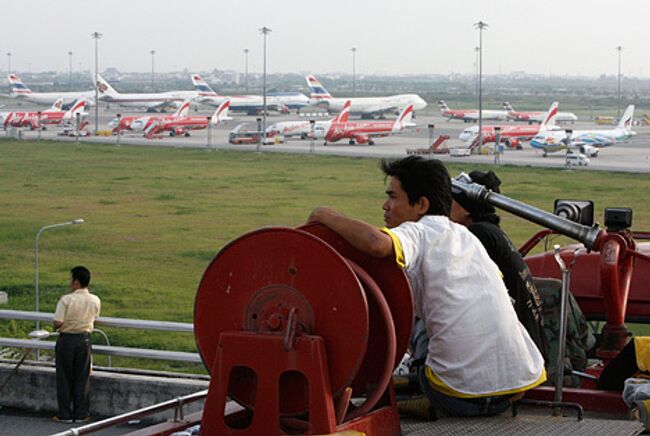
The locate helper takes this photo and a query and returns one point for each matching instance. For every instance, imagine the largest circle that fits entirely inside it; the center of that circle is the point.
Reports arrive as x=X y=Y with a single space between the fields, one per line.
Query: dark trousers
x=72 y=375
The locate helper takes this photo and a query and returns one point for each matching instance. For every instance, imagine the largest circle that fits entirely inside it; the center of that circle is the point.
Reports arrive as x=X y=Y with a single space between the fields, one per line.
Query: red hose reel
x=292 y=323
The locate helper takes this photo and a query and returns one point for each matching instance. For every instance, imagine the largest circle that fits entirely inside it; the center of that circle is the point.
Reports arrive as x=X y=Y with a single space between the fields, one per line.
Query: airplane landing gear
x=351 y=142
x=371 y=142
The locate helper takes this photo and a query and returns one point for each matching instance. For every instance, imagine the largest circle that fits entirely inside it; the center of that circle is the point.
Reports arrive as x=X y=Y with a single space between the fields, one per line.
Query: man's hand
x=57 y=325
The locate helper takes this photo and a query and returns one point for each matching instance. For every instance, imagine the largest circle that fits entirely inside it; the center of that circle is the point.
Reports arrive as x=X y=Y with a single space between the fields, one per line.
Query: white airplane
x=587 y=141
x=367 y=107
x=151 y=101
x=249 y=104
x=537 y=117
x=21 y=91
x=471 y=115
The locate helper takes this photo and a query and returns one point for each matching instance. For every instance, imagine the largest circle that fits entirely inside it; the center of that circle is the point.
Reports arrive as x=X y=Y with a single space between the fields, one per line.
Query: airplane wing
x=162 y=105
x=378 y=110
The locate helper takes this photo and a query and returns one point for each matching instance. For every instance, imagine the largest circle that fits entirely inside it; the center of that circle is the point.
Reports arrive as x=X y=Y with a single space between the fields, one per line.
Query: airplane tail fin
x=507 y=106
x=549 y=120
x=201 y=86
x=221 y=114
x=316 y=90
x=404 y=119
x=77 y=108
x=343 y=116
x=183 y=110
x=627 y=119
x=443 y=105
x=56 y=106
x=17 y=85
x=104 y=87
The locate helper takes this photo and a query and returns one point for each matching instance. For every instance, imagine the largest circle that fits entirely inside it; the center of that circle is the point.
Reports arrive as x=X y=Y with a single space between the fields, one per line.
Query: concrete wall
x=34 y=388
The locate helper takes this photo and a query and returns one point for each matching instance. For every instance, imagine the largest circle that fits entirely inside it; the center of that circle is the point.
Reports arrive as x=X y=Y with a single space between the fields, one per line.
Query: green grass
x=156 y=216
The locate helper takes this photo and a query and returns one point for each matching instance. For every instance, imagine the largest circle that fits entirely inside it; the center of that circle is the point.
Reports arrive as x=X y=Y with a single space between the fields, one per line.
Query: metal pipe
x=126 y=417
x=564 y=300
x=108 y=343
x=585 y=234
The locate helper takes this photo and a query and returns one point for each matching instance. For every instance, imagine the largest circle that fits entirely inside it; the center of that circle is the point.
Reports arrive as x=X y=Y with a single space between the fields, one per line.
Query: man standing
x=478 y=354
x=74 y=319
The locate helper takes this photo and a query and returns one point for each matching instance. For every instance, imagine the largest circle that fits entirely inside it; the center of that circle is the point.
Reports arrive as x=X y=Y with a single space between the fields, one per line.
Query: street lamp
x=354 y=70
x=96 y=36
x=153 y=52
x=246 y=62
x=38 y=234
x=480 y=26
x=70 y=60
x=476 y=49
x=619 y=49
x=9 y=62
x=265 y=31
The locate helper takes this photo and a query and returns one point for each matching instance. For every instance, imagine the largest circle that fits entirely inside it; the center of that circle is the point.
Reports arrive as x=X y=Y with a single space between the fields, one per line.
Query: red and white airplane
x=471 y=115
x=512 y=135
x=21 y=91
x=183 y=125
x=139 y=123
x=537 y=117
x=51 y=116
x=363 y=132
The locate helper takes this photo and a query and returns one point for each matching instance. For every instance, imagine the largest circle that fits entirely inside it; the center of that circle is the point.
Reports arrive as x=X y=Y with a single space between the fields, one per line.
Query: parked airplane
x=21 y=91
x=363 y=132
x=151 y=101
x=586 y=140
x=183 y=125
x=367 y=107
x=511 y=135
x=249 y=104
x=138 y=123
x=537 y=117
x=471 y=115
x=51 y=116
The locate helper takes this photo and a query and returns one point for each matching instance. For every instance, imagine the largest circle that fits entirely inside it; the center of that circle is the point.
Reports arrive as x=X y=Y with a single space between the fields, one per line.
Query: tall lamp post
x=38 y=234
x=246 y=68
x=96 y=36
x=354 y=70
x=265 y=31
x=619 y=49
x=476 y=49
x=8 y=62
x=153 y=52
x=480 y=26
x=70 y=69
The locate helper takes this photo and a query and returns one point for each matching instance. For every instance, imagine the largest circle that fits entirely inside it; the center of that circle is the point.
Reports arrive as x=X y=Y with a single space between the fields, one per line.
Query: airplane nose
x=112 y=124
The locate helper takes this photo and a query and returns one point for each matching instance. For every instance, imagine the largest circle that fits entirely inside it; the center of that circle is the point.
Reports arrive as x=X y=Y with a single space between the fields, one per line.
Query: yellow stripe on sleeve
x=397 y=247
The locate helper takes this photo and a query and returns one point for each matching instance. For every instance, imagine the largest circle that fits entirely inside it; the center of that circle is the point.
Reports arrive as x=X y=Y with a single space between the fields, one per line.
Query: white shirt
x=477 y=346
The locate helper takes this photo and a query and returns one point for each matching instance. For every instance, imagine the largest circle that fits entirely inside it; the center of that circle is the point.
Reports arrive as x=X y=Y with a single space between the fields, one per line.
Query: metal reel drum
x=252 y=283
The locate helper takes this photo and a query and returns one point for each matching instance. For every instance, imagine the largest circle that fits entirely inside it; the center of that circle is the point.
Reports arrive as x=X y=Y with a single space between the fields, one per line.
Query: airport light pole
x=70 y=69
x=476 y=49
x=619 y=49
x=96 y=36
x=480 y=26
x=265 y=31
x=9 y=62
x=246 y=68
x=354 y=70
x=38 y=234
x=153 y=52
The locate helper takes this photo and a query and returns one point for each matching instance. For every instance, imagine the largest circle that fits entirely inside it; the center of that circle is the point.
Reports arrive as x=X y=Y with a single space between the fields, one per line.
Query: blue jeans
x=453 y=406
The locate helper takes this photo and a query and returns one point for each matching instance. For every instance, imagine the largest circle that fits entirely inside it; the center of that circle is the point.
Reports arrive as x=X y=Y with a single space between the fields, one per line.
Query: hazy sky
x=417 y=36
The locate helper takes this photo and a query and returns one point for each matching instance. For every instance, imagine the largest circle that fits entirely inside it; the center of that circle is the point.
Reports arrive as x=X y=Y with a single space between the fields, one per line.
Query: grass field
x=155 y=217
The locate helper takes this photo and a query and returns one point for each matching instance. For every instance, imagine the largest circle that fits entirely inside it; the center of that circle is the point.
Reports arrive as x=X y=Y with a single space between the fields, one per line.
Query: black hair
x=481 y=211
x=421 y=177
x=81 y=274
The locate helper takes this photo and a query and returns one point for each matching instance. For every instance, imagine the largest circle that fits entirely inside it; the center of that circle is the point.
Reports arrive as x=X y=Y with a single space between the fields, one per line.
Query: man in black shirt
x=481 y=219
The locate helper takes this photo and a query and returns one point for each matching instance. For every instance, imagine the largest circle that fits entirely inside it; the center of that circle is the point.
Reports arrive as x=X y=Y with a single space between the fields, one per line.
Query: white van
x=576 y=159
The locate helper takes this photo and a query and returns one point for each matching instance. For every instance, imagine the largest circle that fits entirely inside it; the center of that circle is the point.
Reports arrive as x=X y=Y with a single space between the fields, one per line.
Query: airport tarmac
x=633 y=156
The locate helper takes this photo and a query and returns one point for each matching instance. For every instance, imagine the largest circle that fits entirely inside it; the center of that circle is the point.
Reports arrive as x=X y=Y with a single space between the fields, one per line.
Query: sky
x=575 y=37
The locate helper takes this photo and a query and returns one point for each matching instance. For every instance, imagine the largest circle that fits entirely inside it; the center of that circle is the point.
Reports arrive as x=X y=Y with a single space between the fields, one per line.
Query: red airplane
x=363 y=132
x=511 y=136
x=139 y=123
x=471 y=115
x=52 y=116
x=183 y=125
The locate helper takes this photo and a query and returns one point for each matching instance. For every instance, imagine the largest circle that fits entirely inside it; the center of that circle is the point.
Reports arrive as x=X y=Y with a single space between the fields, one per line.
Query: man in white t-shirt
x=478 y=353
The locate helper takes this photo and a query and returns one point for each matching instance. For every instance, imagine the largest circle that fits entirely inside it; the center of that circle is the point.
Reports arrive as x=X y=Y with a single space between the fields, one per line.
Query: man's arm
x=363 y=236
x=57 y=324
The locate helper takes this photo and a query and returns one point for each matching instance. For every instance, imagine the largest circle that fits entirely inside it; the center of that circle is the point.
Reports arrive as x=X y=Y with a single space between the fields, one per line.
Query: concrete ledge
x=34 y=388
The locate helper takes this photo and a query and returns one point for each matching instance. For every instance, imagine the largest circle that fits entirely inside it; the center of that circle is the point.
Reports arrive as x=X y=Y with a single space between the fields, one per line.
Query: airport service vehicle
x=537 y=117
x=576 y=159
x=367 y=107
x=587 y=141
x=21 y=91
x=183 y=124
x=511 y=136
x=139 y=123
x=34 y=120
x=471 y=115
x=248 y=104
x=157 y=101
x=364 y=131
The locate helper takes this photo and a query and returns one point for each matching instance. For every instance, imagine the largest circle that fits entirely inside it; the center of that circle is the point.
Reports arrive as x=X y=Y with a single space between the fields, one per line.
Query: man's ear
x=423 y=205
